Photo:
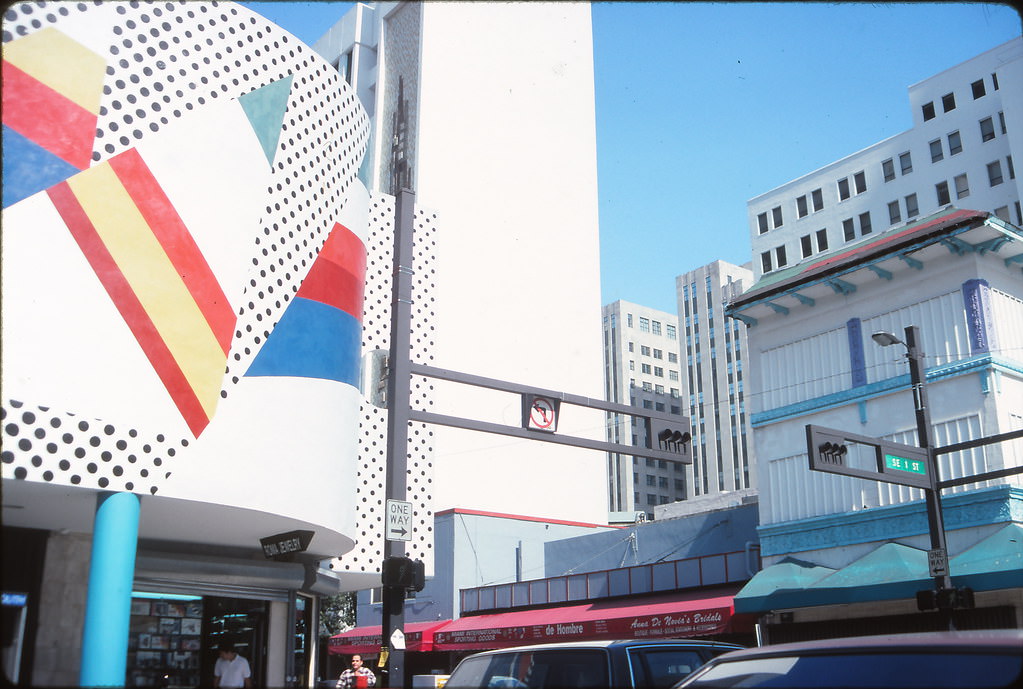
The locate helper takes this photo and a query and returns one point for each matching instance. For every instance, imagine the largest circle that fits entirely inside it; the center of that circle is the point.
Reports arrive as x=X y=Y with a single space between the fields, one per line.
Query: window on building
x=928 y=111
x=987 y=129
x=994 y=173
x=888 y=170
x=848 y=229
x=912 y=207
x=632 y=347
x=865 y=227
x=843 y=189
x=765 y=261
x=948 y=102
x=1012 y=170
x=822 y=240
x=1019 y=213
x=936 y=151
x=645 y=368
x=632 y=365
x=644 y=350
x=994 y=81
x=941 y=189
x=1002 y=213
x=651 y=499
x=860 y=182
x=672 y=358
x=894 y=215
x=658 y=354
x=802 y=210
x=672 y=375
x=647 y=404
x=651 y=480
x=779 y=256
x=762 y=223
x=659 y=371
x=978 y=89
x=671 y=332
x=817 y=198
x=656 y=327
x=662 y=481
x=906 y=163
x=776 y=216
x=644 y=325
x=1001 y=120
x=628 y=319
x=962 y=185
x=806 y=245
x=955 y=143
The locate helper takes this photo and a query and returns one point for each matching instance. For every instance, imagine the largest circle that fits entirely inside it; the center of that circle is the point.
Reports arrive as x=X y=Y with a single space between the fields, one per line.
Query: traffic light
x=672 y=438
x=945 y=599
x=833 y=452
x=403 y=572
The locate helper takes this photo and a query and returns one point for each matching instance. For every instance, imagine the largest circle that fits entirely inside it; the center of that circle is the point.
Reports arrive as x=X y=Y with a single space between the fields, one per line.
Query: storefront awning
x=890 y=572
x=418 y=637
x=702 y=613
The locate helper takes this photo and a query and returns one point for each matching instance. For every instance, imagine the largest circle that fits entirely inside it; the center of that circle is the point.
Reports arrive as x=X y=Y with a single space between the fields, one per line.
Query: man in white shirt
x=231 y=669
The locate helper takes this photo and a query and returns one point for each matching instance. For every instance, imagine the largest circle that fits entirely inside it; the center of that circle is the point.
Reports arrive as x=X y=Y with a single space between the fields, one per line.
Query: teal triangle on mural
x=265 y=109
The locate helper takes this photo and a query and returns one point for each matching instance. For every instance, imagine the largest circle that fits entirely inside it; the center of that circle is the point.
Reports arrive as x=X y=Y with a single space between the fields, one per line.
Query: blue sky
x=702 y=106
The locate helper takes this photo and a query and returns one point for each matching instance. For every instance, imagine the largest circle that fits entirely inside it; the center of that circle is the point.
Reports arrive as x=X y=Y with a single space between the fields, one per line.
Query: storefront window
x=164 y=641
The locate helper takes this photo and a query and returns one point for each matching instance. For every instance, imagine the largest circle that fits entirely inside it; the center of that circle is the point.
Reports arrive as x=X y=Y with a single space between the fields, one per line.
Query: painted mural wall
x=184 y=258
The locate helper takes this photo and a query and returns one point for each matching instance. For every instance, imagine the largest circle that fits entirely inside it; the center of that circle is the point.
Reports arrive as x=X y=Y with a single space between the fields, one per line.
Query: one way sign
x=399 y=520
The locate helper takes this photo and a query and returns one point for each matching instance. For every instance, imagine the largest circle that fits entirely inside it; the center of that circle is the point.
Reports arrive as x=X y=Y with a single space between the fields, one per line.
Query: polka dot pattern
x=165 y=62
x=371 y=493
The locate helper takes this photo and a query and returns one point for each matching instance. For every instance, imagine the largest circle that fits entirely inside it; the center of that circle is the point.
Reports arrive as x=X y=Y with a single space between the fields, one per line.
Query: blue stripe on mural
x=29 y=168
x=312 y=340
x=857 y=361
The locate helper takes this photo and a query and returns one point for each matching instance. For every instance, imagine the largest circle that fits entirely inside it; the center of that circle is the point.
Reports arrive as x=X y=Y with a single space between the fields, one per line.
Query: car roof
x=932 y=642
x=616 y=642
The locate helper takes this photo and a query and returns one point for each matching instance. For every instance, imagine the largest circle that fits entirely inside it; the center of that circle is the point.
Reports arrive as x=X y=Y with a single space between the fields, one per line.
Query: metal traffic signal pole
x=932 y=495
x=398 y=406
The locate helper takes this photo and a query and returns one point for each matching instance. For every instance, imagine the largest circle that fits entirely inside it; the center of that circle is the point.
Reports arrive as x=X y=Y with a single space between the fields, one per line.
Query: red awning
x=703 y=613
x=418 y=637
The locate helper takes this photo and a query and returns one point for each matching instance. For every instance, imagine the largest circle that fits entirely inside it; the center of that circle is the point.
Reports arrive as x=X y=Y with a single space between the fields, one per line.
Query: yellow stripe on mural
x=154 y=280
x=62 y=63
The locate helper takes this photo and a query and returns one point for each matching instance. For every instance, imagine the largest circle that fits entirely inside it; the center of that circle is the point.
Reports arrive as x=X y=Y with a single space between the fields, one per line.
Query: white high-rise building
x=713 y=351
x=486 y=111
x=967 y=122
x=641 y=368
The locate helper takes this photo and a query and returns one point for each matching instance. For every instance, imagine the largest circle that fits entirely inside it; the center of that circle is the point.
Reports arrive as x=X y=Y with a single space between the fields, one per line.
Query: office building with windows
x=713 y=350
x=641 y=368
x=967 y=123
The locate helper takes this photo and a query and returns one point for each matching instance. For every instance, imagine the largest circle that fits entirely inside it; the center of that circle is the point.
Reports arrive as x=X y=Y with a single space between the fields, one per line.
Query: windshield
x=949 y=670
x=568 y=668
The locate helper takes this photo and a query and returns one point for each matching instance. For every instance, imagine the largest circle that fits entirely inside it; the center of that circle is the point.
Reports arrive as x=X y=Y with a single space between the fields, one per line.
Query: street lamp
x=938 y=555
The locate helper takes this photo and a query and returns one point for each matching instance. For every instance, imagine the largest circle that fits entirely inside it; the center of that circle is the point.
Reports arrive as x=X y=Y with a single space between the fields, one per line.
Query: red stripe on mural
x=338 y=276
x=129 y=306
x=331 y=284
x=47 y=118
x=168 y=228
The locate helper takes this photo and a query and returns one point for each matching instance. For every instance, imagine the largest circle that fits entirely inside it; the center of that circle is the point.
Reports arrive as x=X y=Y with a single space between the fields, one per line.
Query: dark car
x=586 y=665
x=933 y=660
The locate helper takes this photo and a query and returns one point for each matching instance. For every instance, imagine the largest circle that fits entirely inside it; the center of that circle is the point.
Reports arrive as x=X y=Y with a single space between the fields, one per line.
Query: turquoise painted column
x=108 y=603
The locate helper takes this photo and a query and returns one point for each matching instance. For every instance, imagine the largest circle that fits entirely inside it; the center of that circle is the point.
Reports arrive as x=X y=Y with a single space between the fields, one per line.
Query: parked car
x=933 y=660
x=586 y=665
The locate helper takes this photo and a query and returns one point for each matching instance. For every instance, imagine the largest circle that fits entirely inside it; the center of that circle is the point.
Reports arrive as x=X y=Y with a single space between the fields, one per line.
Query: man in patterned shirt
x=356 y=675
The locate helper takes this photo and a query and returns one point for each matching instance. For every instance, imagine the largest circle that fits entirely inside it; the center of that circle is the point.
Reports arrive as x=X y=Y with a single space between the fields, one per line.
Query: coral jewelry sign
x=680 y=624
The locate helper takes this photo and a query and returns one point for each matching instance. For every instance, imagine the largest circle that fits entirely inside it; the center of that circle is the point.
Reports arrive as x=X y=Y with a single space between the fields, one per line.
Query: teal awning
x=890 y=572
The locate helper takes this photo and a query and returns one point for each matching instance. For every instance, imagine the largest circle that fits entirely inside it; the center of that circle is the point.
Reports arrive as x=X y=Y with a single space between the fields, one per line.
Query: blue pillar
x=108 y=604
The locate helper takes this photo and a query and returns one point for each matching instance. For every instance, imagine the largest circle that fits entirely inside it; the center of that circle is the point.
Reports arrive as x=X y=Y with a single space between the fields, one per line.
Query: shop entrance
x=241 y=621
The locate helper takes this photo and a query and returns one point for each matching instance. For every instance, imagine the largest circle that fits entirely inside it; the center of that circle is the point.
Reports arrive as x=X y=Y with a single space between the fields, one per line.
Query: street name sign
x=399 y=520
x=840 y=452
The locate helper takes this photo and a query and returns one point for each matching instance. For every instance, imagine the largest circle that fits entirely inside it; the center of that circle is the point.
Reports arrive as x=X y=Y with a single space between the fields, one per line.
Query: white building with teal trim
x=846 y=555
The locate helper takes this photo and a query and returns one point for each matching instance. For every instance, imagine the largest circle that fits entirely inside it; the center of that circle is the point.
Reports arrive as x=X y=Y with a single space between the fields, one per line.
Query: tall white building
x=713 y=350
x=967 y=122
x=485 y=110
x=641 y=368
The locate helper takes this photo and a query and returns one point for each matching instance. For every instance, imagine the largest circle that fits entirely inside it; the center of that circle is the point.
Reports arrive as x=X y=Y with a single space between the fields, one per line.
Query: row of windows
x=948 y=101
x=661 y=481
x=857 y=184
x=649 y=387
x=645 y=350
x=818 y=241
x=653 y=327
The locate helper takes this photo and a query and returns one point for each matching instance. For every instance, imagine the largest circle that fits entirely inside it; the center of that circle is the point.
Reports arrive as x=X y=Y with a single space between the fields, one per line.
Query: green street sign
x=913 y=466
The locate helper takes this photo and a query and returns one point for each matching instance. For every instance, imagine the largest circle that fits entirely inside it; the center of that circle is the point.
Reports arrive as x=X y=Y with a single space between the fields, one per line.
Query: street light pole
x=932 y=495
x=398 y=411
